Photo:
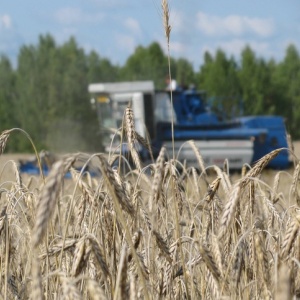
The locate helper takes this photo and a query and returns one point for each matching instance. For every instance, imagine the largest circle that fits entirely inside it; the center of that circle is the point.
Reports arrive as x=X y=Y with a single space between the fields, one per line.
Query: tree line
x=46 y=93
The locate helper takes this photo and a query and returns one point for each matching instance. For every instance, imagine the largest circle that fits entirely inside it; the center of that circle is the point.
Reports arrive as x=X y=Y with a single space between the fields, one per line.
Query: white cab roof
x=122 y=87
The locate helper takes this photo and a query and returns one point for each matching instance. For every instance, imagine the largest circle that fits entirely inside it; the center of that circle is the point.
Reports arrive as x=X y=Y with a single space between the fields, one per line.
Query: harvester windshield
x=110 y=115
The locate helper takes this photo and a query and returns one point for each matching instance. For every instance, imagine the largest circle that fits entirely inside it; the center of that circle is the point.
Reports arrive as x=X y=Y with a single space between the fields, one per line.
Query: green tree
x=8 y=104
x=52 y=96
x=218 y=77
x=204 y=70
x=259 y=88
x=7 y=94
x=184 y=72
x=146 y=64
x=287 y=78
x=101 y=69
x=73 y=123
x=28 y=102
x=249 y=81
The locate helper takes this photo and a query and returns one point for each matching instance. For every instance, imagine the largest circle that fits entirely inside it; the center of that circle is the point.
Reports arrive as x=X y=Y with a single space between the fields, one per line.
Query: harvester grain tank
x=241 y=140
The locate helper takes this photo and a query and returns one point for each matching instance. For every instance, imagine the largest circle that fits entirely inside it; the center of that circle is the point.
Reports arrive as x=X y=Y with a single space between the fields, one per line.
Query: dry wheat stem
x=283 y=288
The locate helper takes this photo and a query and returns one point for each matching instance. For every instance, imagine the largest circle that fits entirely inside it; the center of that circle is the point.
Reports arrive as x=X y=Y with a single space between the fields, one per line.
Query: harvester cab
x=240 y=141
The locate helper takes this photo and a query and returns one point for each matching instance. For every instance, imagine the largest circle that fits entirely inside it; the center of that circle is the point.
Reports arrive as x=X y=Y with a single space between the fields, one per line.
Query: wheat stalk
x=283 y=287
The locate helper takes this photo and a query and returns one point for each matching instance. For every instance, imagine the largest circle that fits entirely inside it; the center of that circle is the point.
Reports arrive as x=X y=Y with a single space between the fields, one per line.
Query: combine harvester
x=241 y=140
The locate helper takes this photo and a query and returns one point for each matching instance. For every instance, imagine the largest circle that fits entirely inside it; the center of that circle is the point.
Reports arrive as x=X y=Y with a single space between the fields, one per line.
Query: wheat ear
x=198 y=156
x=3 y=139
x=229 y=210
x=290 y=237
x=210 y=262
x=131 y=136
x=69 y=289
x=166 y=19
x=95 y=291
x=260 y=165
x=79 y=260
x=114 y=187
x=157 y=180
x=48 y=198
x=212 y=189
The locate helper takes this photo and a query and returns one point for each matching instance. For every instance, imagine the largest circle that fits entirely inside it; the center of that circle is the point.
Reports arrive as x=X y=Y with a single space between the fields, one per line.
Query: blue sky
x=114 y=28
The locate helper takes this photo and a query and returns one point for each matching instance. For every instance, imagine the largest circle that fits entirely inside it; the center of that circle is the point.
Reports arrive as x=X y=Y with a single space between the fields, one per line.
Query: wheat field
x=151 y=232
